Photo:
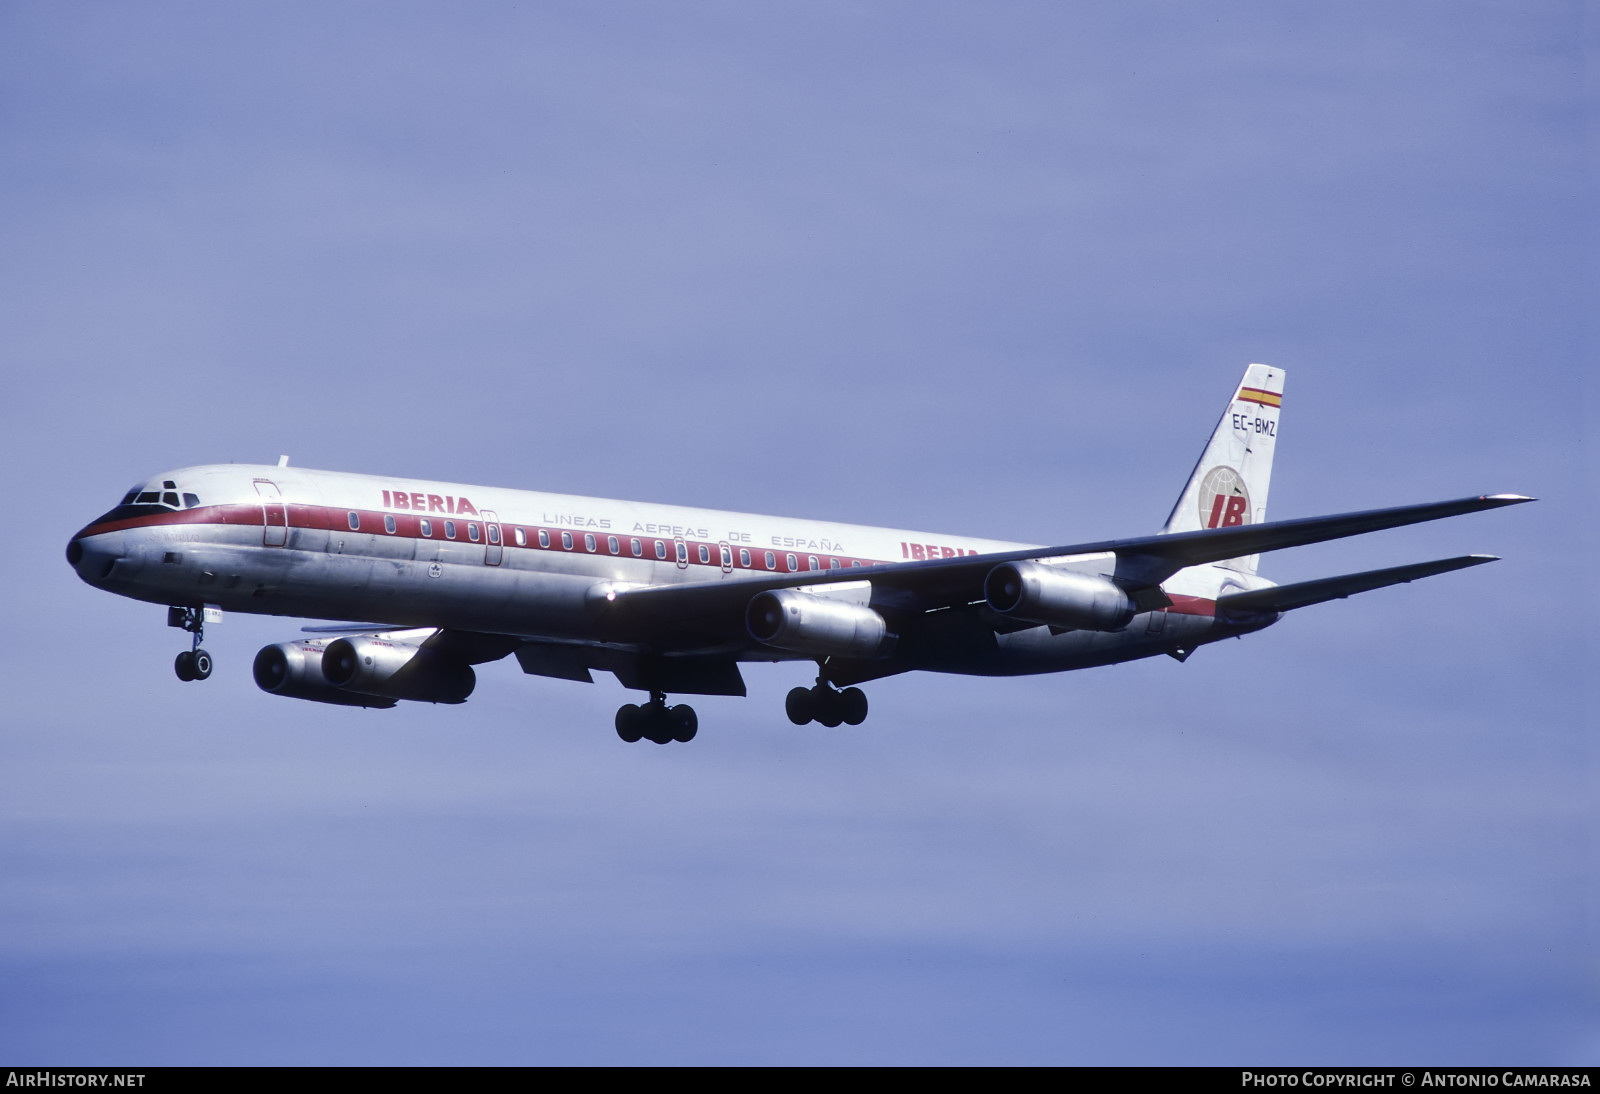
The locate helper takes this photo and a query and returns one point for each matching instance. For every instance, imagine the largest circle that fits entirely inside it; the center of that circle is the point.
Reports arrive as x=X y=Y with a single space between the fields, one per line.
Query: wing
x=1142 y=562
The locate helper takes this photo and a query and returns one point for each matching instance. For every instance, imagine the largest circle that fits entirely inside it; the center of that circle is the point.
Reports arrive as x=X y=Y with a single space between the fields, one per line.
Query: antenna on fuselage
x=283 y=461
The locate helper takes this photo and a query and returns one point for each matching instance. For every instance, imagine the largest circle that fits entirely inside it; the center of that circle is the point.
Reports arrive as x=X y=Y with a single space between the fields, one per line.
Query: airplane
x=672 y=599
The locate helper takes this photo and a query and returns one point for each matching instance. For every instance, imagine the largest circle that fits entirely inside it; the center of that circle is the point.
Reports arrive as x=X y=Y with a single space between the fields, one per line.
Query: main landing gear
x=825 y=705
x=193 y=663
x=655 y=721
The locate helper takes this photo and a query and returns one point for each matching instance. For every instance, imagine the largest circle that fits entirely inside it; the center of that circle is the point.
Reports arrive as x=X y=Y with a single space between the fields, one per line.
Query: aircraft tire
x=685 y=723
x=825 y=703
x=183 y=665
x=797 y=705
x=201 y=663
x=853 y=706
x=630 y=722
x=658 y=725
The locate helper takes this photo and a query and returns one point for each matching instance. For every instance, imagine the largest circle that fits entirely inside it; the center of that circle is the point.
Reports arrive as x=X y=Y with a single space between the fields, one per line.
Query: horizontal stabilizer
x=1283 y=598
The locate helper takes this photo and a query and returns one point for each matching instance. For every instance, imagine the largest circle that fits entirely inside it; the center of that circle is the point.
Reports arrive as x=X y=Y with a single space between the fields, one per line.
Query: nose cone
x=94 y=557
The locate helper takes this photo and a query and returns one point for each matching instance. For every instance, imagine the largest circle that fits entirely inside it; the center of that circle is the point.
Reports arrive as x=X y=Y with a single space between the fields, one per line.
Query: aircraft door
x=494 y=548
x=274 y=514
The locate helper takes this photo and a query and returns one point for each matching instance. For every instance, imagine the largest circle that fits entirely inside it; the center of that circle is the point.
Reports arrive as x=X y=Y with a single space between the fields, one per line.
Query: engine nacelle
x=294 y=670
x=1062 y=598
x=373 y=665
x=805 y=623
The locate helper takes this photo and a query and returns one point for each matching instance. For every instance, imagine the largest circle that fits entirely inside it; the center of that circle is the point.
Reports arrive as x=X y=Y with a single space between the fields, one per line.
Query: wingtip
x=1479 y=560
x=1508 y=499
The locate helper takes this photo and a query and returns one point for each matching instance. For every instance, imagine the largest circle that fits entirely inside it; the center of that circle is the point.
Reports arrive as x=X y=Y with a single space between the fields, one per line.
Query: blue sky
x=976 y=268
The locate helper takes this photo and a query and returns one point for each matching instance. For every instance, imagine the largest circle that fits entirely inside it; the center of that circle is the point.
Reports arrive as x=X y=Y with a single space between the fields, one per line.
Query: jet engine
x=362 y=670
x=294 y=670
x=805 y=623
x=373 y=665
x=1038 y=593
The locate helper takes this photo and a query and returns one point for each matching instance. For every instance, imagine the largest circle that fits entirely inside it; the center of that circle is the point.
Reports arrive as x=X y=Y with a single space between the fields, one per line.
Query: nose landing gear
x=193 y=663
x=655 y=721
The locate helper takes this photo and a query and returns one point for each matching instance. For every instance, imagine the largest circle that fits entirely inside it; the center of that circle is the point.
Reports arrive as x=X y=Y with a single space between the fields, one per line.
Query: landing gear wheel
x=853 y=706
x=183 y=665
x=630 y=722
x=657 y=726
x=825 y=702
x=684 y=723
x=798 y=706
x=200 y=664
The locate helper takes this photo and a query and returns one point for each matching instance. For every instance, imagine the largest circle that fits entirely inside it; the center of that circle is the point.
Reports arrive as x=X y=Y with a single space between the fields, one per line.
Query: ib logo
x=1224 y=501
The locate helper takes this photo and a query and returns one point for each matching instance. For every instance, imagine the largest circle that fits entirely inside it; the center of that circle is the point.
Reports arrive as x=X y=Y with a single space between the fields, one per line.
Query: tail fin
x=1229 y=484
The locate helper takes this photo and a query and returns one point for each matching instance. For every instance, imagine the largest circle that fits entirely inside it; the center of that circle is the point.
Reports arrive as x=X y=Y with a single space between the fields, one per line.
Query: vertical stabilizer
x=1229 y=484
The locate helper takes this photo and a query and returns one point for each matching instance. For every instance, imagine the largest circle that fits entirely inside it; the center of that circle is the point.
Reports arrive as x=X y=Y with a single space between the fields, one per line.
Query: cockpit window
x=140 y=502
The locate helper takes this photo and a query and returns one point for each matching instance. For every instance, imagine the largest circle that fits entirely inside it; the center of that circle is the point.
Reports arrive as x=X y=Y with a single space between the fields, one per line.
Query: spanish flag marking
x=1257 y=395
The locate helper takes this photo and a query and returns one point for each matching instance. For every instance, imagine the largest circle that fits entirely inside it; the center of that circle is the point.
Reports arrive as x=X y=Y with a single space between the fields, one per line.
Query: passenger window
x=772 y=561
x=814 y=563
x=388 y=524
x=638 y=548
x=494 y=533
x=856 y=562
x=425 y=526
x=744 y=557
x=794 y=563
x=449 y=529
x=566 y=541
x=522 y=537
x=472 y=531
x=588 y=542
x=190 y=501
x=833 y=564
x=544 y=538
x=661 y=550
x=355 y=522
x=683 y=552
x=611 y=545
x=705 y=553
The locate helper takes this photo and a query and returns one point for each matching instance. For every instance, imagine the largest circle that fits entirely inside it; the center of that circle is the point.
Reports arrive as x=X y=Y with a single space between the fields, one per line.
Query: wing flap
x=642 y=670
x=1301 y=594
